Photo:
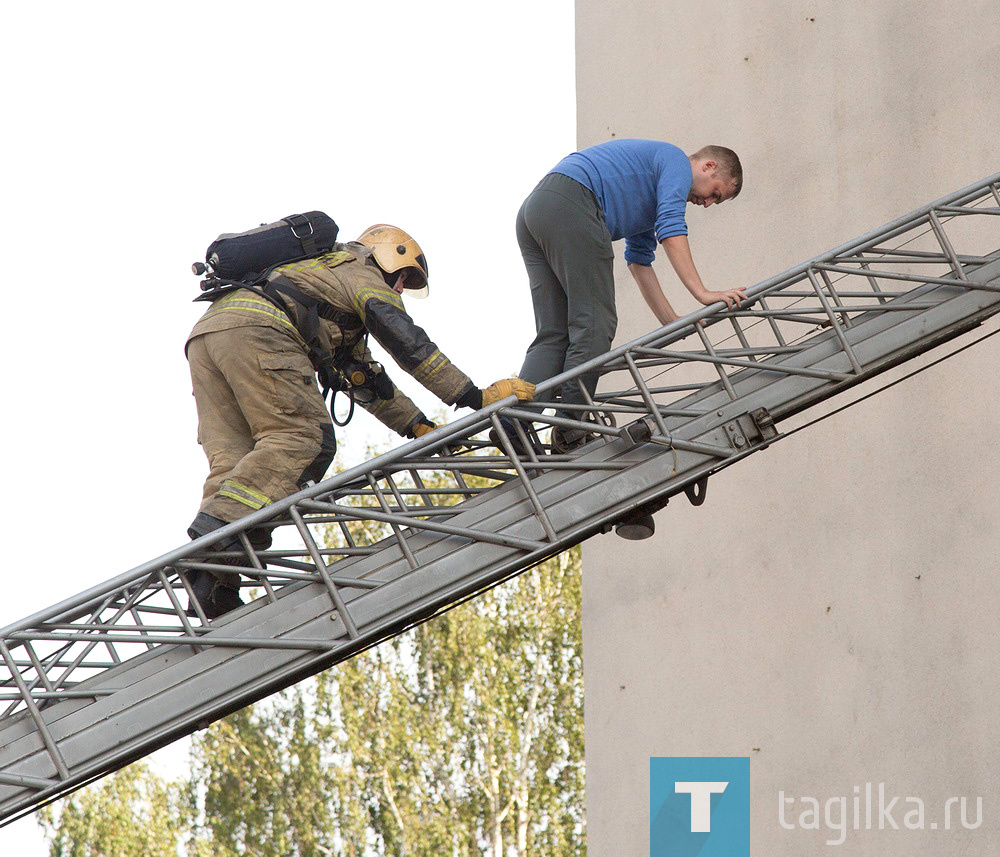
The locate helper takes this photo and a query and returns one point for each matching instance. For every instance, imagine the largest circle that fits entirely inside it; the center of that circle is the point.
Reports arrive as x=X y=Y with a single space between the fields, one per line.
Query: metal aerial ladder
x=119 y=670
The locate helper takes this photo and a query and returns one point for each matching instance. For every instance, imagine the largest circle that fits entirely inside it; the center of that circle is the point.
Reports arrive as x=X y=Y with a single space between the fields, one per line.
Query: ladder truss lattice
x=121 y=669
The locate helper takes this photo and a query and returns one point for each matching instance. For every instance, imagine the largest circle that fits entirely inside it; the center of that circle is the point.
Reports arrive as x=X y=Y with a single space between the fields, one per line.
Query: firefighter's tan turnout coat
x=261 y=419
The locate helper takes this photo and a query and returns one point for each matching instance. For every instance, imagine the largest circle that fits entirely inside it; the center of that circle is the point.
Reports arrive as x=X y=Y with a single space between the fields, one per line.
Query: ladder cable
x=891 y=384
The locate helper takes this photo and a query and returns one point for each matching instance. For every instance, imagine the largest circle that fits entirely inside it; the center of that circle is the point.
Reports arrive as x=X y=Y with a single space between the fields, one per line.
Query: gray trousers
x=567 y=253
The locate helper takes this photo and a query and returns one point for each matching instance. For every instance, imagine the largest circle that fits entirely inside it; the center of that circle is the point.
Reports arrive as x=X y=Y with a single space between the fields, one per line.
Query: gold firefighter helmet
x=394 y=250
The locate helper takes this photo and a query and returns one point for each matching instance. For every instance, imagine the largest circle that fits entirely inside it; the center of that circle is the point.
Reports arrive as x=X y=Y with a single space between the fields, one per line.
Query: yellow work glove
x=453 y=448
x=524 y=390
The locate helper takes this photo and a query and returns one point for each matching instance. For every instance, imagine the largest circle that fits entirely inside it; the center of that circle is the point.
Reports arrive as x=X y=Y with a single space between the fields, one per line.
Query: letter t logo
x=701 y=803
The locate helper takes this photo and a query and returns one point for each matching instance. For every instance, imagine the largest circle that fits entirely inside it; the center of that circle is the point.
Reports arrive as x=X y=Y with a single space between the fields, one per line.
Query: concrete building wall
x=831 y=610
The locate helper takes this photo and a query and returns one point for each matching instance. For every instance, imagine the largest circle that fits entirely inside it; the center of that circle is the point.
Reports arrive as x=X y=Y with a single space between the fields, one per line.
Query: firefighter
x=262 y=422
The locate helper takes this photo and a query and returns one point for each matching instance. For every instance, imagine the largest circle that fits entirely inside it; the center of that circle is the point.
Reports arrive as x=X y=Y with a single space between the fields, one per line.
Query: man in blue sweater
x=631 y=189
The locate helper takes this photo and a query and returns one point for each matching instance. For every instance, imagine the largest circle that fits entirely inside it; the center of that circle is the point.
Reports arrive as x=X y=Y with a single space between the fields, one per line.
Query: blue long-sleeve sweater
x=642 y=187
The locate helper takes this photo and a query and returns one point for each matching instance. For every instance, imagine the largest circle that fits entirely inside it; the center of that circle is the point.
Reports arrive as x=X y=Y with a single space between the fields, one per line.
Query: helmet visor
x=415 y=283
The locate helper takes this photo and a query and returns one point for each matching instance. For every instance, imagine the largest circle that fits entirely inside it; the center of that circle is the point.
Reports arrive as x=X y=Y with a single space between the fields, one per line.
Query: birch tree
x=466 y=736
x=131 y=812
x=462 y=737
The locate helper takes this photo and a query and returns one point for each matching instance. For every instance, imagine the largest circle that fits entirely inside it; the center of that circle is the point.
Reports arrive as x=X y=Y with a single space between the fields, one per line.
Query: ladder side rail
x=512 y=412
x=271 y=512
x=236 y=640
x=130 y=591
x=478 y=421
x=459 y=427
x=282 y=676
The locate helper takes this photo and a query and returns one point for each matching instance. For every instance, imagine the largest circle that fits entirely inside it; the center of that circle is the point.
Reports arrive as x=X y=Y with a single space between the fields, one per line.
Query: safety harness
x=337 y=371
x=248 y=260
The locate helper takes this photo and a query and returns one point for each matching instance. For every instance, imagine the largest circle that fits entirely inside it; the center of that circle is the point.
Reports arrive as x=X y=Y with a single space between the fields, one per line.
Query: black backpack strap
x=217 y=288
x=308 y=312
x=307 y=308
x=278 y=290
x=322 y=309
x=338 y=317
x=302 y=229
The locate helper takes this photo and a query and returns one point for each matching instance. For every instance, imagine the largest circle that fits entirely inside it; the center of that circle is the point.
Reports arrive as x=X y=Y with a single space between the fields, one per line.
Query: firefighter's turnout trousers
x=261 y=419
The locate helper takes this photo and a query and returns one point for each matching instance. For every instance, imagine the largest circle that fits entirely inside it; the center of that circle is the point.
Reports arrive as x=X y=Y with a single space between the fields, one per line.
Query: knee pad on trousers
x=316 y=469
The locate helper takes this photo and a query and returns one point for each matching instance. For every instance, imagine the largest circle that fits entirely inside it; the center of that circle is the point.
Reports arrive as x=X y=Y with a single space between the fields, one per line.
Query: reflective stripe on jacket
x=342 y=279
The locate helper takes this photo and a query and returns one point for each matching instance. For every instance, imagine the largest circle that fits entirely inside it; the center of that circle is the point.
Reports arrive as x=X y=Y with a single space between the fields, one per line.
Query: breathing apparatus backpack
x=244 y=260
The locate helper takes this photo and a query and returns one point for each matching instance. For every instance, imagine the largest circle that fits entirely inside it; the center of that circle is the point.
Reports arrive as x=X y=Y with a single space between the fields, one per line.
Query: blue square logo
x=699 y=807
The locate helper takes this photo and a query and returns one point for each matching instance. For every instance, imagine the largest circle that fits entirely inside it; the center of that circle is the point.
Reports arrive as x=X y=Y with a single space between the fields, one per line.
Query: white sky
x=135 y=134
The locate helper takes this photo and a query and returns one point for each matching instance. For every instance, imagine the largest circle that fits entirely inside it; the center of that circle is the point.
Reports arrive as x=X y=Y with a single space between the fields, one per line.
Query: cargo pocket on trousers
x=291 y=381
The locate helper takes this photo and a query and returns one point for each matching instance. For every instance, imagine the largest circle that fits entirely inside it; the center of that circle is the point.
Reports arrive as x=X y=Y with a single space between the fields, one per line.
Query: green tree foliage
x=462 y=737
x=465 y=736
x=130 y=813
x=260 y=782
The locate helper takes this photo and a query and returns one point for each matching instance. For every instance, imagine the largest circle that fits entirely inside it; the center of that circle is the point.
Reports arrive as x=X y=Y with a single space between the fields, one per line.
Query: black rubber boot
x=515 y=440
x=204 y=524
x=201 y=585
x=224 y=597
x=260 y=538
x=216 y=595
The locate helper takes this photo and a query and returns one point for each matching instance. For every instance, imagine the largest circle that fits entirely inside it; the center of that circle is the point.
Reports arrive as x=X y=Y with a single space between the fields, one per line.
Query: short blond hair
x=728 y=161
